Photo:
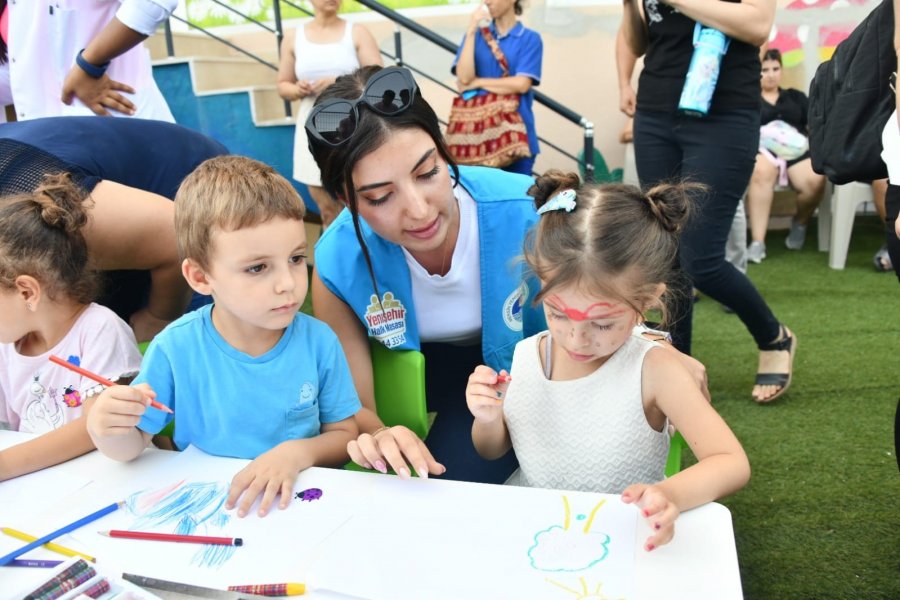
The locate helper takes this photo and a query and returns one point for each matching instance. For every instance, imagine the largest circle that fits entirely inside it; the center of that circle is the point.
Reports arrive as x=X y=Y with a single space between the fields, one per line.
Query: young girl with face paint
x=588 y=403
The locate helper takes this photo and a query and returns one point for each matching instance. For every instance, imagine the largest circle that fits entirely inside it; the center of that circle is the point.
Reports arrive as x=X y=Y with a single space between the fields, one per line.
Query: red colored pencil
x=99 y=379
x=173 y=537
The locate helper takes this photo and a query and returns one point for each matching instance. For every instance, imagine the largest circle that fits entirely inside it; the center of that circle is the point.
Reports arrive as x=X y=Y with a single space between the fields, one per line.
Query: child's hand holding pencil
x=112 y=421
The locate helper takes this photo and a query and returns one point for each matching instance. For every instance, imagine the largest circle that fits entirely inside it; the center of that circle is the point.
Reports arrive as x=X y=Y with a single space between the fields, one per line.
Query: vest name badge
x=387 y=320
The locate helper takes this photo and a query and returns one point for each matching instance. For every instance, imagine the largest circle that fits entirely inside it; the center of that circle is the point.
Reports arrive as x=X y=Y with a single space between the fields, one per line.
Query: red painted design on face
x=585 y=315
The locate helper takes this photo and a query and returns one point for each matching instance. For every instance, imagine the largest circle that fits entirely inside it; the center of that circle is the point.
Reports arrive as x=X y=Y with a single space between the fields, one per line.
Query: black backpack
x=850 y=100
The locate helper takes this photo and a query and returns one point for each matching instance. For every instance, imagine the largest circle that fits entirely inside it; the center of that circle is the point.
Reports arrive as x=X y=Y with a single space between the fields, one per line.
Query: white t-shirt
x=448 y=308
x=890 y=153
x=38 y=396
x=45 y=36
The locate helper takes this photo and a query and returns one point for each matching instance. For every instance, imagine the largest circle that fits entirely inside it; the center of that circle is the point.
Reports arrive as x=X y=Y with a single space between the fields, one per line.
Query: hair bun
x=550 y=183
x=61 y=203
x=671 y=203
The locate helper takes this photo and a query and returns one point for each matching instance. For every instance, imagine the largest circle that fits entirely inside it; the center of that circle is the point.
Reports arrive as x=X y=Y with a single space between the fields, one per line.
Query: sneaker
x=756 y=252
x=882 y=260
x=797 y=237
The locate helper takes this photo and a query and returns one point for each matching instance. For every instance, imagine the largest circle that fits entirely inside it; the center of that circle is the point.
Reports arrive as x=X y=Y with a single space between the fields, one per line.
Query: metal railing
x=586 y=162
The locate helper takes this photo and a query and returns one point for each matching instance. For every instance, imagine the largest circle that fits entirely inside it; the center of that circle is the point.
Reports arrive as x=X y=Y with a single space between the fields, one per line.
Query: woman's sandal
x=787 y=343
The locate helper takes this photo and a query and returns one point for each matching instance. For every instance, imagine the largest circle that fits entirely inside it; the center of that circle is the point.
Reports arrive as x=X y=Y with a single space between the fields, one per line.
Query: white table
x=391 y=523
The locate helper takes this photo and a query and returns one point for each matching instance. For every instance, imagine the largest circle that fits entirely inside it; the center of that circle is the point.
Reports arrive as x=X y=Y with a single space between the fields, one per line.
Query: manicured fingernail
x=422 y=472
x=646 y=512
x=650 y=547
x=656 y=526
x=380 y=466
x=367 y=465
x=403 y=472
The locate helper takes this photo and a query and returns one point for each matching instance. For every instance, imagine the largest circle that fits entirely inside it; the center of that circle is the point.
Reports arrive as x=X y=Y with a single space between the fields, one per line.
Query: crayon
x=42 y=564
x=270 y=589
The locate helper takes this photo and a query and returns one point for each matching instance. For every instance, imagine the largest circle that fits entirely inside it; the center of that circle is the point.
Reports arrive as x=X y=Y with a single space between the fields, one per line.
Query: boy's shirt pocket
x=302 y=418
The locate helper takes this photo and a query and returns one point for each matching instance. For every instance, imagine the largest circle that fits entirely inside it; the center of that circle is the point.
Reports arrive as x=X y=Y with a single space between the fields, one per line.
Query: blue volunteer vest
x=505 y=213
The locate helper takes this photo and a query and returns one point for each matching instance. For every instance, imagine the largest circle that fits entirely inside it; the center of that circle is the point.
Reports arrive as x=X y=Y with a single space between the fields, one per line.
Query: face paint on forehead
x=603 y=310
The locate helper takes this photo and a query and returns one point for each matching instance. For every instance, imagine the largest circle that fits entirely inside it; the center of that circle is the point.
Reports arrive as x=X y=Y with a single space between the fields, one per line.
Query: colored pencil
x=270 y=589
x=49 y=545
x=101 y=380
x=43 y=564
x=173 y=537
x=62 y=530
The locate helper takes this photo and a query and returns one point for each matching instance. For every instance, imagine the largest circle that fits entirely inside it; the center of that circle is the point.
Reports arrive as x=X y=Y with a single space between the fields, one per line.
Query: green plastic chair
x=399 y=381
x=673 y=462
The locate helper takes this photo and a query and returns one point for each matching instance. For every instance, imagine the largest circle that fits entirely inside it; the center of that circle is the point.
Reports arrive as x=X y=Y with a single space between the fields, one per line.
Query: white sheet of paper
x=522 y=548
x=365 y=532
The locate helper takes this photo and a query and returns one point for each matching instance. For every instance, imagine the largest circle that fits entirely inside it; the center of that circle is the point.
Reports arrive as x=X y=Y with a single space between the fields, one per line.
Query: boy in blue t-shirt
x=249 y=376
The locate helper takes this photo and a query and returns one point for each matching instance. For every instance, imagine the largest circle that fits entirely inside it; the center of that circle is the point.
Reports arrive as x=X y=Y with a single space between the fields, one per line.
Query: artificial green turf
x=819 y=518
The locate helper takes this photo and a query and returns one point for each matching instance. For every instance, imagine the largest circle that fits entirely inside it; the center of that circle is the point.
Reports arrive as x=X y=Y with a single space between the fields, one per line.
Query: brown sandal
x=787 y=343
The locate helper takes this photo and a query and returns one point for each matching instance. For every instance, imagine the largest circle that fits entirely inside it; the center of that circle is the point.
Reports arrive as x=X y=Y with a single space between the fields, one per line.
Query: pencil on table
x=173 y=537
x=49 y=545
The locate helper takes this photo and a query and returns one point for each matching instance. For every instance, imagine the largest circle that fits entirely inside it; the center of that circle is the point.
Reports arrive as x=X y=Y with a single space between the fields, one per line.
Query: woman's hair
x=617 y=242
x=372 y=131
x=773 y=54
x=41 y=236
x=518 y=7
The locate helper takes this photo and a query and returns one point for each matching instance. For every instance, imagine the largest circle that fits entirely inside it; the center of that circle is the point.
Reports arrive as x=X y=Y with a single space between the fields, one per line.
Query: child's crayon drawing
x=584 y=593
x=189 y=508
x=308 y=495
x=569 y=547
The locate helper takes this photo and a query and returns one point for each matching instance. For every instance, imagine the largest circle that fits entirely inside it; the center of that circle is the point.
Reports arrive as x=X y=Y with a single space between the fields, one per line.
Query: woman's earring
x=28 y=306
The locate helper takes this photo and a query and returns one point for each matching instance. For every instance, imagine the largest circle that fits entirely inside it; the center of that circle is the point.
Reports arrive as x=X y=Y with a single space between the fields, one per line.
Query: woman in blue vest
x=424 y=258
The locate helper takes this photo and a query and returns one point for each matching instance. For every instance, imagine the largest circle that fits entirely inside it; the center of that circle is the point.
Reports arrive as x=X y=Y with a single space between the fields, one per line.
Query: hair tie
x=564 y=200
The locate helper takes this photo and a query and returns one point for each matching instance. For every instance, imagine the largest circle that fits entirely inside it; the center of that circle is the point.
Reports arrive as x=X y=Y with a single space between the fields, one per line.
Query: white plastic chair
x=836 y=216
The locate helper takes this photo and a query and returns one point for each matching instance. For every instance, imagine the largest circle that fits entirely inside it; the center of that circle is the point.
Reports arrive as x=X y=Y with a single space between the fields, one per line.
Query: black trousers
x=719 y=151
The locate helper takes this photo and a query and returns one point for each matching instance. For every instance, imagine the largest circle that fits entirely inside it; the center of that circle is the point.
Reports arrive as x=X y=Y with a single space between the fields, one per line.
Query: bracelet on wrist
x=95 y=71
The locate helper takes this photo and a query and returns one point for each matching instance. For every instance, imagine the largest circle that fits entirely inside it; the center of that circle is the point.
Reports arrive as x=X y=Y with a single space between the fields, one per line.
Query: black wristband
x=95 y=71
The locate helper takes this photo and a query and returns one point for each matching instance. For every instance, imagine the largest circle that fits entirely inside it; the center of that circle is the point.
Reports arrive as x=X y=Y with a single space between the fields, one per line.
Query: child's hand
x=485 y=392
x=271 y=473
x=118 y=410
x=656 y=507
x=304 y=88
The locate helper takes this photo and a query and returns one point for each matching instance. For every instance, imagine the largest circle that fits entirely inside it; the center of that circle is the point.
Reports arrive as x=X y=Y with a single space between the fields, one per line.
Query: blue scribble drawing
x=186 y=507
x=559 y=548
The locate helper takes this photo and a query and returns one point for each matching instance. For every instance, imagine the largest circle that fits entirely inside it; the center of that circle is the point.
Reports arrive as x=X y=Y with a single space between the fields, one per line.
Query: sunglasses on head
x=388 y=92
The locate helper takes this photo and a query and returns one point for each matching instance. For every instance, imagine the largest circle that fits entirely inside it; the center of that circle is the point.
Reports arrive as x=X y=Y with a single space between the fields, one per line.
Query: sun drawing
x=583 y=593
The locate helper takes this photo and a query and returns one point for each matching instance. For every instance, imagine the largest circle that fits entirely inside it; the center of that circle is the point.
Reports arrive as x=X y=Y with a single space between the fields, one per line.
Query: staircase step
x=186 y=44
x=268 y=106
x=226 y=73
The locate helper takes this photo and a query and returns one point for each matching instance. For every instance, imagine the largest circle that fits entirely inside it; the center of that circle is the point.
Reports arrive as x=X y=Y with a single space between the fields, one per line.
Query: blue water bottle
x=710 y=45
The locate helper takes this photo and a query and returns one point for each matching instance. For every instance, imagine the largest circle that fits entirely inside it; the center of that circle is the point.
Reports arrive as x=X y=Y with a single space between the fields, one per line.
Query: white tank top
x=588 y=434
x=314 y=61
